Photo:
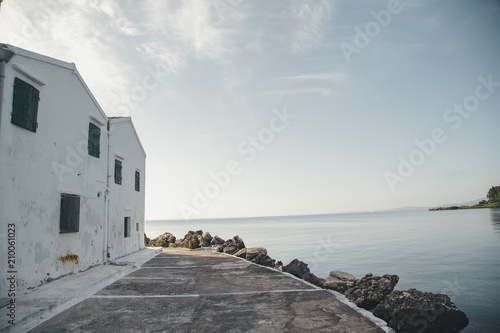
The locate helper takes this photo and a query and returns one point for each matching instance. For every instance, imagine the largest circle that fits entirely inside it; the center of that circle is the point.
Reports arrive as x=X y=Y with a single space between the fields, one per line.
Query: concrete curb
x=51 y=299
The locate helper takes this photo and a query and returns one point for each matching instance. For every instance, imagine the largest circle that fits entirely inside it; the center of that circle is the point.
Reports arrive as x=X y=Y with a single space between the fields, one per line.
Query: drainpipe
x=105 y=228
x=105 y=242
x=108 y=132
x=5 y=55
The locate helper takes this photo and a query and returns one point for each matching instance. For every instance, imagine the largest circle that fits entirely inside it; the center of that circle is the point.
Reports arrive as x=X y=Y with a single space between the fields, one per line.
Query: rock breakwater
x=405 y=311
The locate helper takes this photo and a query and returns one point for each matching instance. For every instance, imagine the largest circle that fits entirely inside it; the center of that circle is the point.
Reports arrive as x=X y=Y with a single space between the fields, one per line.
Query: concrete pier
x=202 y=291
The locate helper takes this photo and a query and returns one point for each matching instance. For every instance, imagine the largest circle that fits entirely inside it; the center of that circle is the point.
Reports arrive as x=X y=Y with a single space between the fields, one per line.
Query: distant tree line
x=493 y=201
x=493 y=194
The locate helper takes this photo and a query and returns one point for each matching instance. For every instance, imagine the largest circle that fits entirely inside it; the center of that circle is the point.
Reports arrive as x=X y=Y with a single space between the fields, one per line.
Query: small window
x=137 y=227
x=94 y=140
x=137 y=181
x=70 y=213
x=126 y=227
x=25 y=105
x=118 y=172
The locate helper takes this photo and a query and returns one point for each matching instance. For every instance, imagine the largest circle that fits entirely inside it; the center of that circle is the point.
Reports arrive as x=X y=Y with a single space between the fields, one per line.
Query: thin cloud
x=117 y=18
x=195 y=26
x=325 y=79
x=167 y=33
x=299 y=91
x=89 y=34
x=312 y=19
x=170 y=57
x=332 y=77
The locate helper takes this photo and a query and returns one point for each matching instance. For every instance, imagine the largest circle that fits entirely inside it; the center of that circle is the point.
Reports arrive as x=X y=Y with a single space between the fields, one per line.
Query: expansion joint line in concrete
x=198 y=266
x=209 y=295
x=169 y=278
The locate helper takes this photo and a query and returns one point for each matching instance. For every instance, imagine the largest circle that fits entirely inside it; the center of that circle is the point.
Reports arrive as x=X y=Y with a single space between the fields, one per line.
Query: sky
x=261 y=108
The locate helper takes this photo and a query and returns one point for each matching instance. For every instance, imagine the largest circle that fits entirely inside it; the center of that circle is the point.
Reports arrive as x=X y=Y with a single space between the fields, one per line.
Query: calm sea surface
x=451 y=252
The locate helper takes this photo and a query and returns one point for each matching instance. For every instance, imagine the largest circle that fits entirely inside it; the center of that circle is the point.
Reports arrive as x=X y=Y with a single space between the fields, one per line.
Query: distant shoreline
x=462 y=207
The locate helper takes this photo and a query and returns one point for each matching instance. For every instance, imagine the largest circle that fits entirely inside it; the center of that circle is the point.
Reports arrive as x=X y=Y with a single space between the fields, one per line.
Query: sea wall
x=404 y=311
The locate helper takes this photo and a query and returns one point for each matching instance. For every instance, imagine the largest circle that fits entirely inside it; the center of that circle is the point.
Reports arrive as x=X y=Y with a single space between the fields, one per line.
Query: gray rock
x=207 y=237
x=311 y=278
x=416 y=311
x=297 y=268
x=241 y=253
x=217 y=240
x=237 y=240
x=253 y=252
x=229 y=249
x=339 y=281
x=370 y=290
x=231 y=246
x=163 y=240
x=202 y=240
x=190 y=240
x=256 y=255
x=264 y=260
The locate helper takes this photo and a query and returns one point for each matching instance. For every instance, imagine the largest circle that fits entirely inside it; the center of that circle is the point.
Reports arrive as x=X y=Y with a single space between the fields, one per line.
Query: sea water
x=452 y=252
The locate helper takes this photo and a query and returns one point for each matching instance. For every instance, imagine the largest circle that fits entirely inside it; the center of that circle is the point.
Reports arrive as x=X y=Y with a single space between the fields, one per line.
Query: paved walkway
x=195 y=291
x=52 y=298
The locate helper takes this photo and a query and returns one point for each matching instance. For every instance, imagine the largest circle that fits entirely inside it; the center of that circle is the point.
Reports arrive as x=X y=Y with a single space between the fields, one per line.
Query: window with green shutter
x=118 y=172
x=94 y=140
x=126 y=227
x=70 y=213
x=25 y=105
x=137 y=181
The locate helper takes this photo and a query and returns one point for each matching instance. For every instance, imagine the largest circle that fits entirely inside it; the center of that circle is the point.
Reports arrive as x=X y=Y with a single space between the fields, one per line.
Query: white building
x=71 y=178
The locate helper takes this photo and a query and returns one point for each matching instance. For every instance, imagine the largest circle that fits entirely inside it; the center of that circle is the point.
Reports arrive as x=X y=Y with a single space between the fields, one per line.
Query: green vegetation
x=493 y=201
x=493 y=194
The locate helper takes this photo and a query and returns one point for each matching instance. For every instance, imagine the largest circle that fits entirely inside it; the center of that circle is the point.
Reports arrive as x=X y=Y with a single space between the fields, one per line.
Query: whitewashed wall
x=35 y=168
x=124 y=200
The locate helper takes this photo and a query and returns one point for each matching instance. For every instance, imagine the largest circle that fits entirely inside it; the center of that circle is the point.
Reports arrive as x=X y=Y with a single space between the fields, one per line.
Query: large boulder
x=340 y=281
x=207 y=237
x=423 y=312
x=311 y=278
x=241 y=253
x=231 y=246
x=264 y=260
x=297 y=268
x=163 y=240
x=195 y=239
x=203 y=241
x=370 y=290
x=256 y=255
x=191 y=240
x=216 y=240
x=237 y=240
x=253 y=252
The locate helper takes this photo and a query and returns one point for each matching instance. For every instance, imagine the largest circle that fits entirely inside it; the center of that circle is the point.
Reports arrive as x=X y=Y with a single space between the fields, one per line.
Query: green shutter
x=126 y=227
x=137 y=181
x=25 y=105
x=118 y=172
x=94 y=140
x=70 y=213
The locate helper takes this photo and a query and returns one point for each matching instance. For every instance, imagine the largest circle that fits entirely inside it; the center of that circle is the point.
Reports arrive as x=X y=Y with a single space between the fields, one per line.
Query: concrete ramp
x=201 y=291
